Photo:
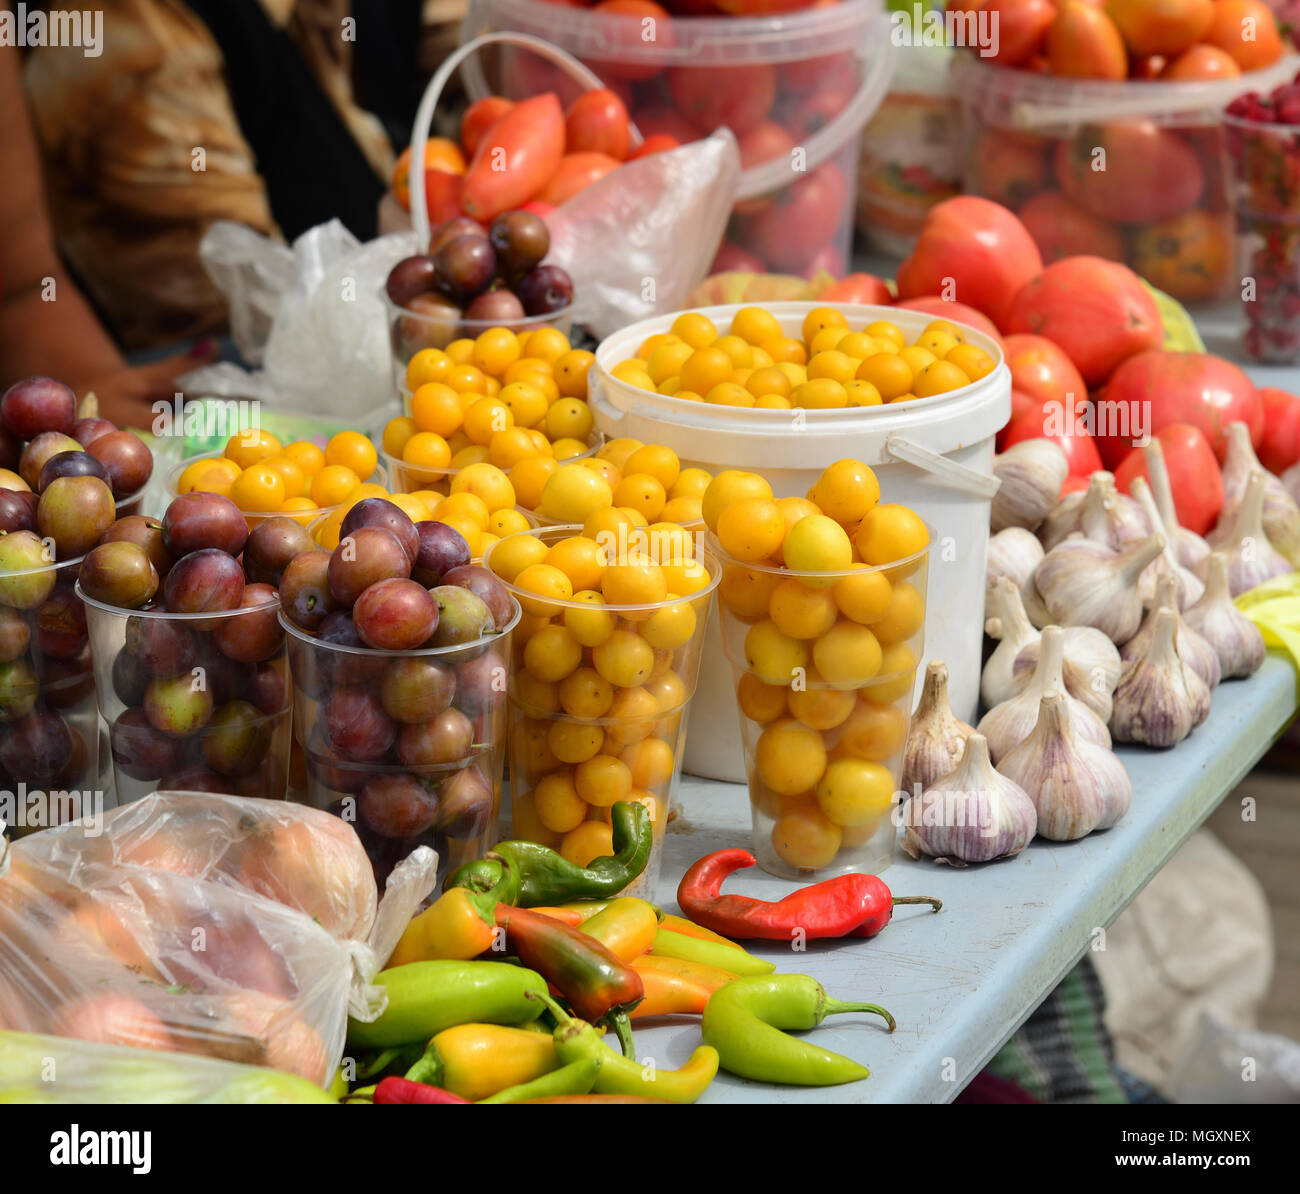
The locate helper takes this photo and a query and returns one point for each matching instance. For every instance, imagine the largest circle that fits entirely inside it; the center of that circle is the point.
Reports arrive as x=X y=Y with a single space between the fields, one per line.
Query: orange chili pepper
x=567 y=915
x=688 y=928
x=683 y=989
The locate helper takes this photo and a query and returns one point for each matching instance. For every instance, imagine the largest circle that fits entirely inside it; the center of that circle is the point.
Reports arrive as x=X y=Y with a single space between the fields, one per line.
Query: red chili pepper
x=846 y=906
x=403 y=1090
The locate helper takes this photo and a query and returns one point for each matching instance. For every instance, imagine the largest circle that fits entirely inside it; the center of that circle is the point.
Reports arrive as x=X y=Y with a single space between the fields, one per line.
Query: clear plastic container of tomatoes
x=795 y=88
x=1132 y=171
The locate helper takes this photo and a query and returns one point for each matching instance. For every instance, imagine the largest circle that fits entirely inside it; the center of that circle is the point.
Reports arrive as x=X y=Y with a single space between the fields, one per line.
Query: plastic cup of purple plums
x=470 y=280
x=49 y=736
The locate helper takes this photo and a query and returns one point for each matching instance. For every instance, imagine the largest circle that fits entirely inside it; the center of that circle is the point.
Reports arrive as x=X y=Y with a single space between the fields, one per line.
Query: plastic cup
x=597 y=711
x=410 y=331
x=49 y=738
x=407 y=746
x=192 y=702
x=823 y=746
x=1265 y=185
x=253 y=517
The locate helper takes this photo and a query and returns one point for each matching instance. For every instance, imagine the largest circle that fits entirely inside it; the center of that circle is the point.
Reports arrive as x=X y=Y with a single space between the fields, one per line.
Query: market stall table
x=961 y=982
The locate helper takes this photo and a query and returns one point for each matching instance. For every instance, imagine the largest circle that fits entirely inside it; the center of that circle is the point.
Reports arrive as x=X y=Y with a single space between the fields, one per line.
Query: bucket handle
x=828 y=140
x=952 y=474
x=433 y=92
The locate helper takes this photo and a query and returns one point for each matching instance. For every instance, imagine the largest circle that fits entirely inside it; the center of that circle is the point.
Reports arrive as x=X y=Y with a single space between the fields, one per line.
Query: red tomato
x=1247 y=31
x=857 y=288
x=801 y=219
x=956 y=312
x=1161 y=388
x=538 y=208
x=1083 y=43
x=1280 y=447
x=1134 y=172
x=1020 y=404
x=1009 y=169
x=655 y=143
x=650 y=121
x=479 y=117
x=1097 y=311
x=733 y=257
x=1161 y=27
x=712 y=96
x=1194 y=475
x=576 y=172
x=1202 y=62
x=973 y=251
x=827 y=260
x=1021 y=26
x=516 y=157
x=1073 y=484
x=1080 y=450
x=440 y=155
x=597 y=122
x=761 y=8
x=644 y=26
x=763 y=143
x=810 y=74
x=1040 y=370
x=1061 y=228
x=442 y=194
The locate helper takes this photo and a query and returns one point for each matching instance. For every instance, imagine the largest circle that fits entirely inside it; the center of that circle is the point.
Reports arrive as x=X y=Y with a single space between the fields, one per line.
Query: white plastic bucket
x=932 y=454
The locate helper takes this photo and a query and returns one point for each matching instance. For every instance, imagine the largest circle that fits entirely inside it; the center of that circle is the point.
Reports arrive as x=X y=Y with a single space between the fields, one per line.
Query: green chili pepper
x=426 y=997
x=546 y=877
x=711 y=953
x=744 y=1022
x=578 y=1077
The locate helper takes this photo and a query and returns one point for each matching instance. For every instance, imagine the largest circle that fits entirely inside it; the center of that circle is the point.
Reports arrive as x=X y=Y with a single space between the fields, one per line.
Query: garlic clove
x=1009 y=624
x=1014 y=552
x=1084 y=583
x=1032 y=473
x=1188 y=546
x=938 y=737
x=1010 y=723
x=972 y=815
x=1075 y=785
x=1251 y=557
x=1279 y=516
x=1160 y=700
x=1110 y=517
x=1189 y=586
x=1062 y=520
x=1091 y=669
x=1193 y=649
x=1235 y=639
x=1291 y=482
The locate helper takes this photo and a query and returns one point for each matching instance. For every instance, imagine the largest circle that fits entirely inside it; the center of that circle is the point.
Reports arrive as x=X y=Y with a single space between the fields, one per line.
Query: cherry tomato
x=631 y=32
x=710 y=96
x=655 y=143
x=515 y=158
x=803 y=218
x=478 y=118
x=575 y=172
x=440 y=155
x=597 y=122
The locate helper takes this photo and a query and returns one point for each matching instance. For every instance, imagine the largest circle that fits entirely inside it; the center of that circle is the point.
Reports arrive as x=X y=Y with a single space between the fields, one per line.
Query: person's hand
x=126 y=396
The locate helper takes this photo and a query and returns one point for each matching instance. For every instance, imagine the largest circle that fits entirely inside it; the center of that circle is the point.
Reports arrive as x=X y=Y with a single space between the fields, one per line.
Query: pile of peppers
x=504 y=989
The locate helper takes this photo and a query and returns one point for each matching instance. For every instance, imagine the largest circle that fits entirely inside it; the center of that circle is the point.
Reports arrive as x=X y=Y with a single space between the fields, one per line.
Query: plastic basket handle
x=952 y=474
x=828 y=140
x=433 y=92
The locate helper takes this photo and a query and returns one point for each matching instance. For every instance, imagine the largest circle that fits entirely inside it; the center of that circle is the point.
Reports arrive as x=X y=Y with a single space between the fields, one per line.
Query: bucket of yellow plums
x=822 y=610
x=606 y=657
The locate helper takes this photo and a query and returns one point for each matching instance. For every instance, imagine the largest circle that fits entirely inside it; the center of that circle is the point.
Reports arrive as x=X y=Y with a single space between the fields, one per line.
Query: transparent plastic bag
x=309 y=314
x=241 y=929
x=53 y=1069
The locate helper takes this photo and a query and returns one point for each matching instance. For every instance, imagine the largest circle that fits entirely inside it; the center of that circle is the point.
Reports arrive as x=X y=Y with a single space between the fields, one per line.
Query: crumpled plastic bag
x=1224 y=1064
x=59 y=1070
x=309 y=314
x=241 y=929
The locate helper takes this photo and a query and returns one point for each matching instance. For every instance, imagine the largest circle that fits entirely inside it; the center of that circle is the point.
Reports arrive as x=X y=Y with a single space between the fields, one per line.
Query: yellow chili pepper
x=626 y=927
x=477 y=1060
x=670 y=944
x=451 y=928
x=688 y=928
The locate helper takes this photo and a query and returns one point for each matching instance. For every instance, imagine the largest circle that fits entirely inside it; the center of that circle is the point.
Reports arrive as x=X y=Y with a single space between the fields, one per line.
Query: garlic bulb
x=1007 y=622
x=1014 y=552
x=1102 y=513
x=972 y=815
x=1195 y=651
x=1091 y=668
x=1189 y=586
x=937 y=737
x=1291 y=482
x=1084 y=583
x=1236 y=640
x=1159 y=699
x=1188 y=546
x=1032 y=473
x=1252 y=559
x=1280 y=515
x=1010 y=723
x=1076 y=786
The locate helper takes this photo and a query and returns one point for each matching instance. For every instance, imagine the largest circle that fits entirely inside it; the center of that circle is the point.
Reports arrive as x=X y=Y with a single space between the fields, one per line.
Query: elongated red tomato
x=575 y=172
x=1194 y=476
x=515 y=158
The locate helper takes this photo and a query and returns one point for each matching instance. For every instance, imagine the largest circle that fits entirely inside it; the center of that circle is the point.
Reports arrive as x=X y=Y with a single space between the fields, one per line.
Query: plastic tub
x=49 y=735
x=354 y=723
x=632 y=747
x=192 y=702
x=796 y=89
x=823 y=751
x=1265 y=184
x=932 y=454
x=1133 y=171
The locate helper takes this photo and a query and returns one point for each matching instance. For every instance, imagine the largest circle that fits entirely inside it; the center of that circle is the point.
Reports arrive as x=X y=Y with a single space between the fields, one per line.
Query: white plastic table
x=960 y=982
